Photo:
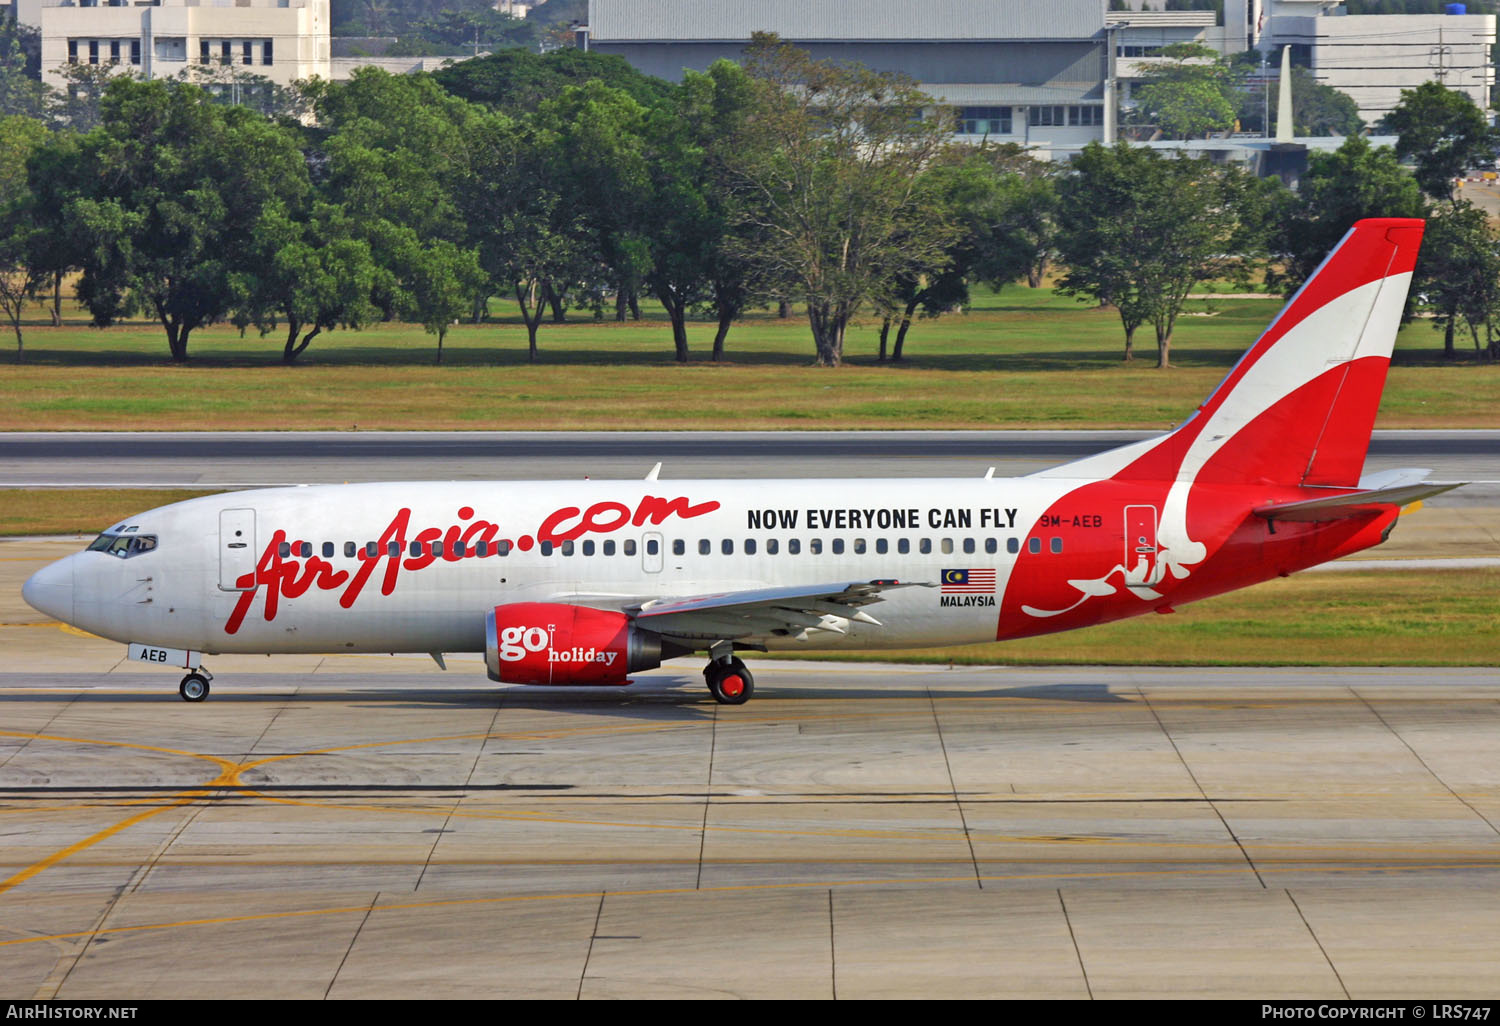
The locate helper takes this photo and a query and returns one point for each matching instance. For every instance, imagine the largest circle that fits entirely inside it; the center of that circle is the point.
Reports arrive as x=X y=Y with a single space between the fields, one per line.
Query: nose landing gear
x=194 y=687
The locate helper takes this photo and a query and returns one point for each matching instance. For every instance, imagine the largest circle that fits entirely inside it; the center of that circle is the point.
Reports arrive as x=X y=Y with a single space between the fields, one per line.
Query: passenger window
x=1034 y=544
x=459 y=551
x=415 y=548
x=437 y=549
x=304 y=549
x=1056 y=544
x=924 y=546
x=678 y=546
x=372 y=549
x=481 y=548
x=629 y=547
x=727 y=546
x=284 y=550
x=652 y=546
x=947 y=546
x=502 y=548
x=327 y=550
x=815 y=546
x=393 y=549
x=588 y=548
x=969 y=546
x=903 y=545
x=749 y=546
x=772 y=545
x=838 y=546
x=567 y=548
x=546 y=548
x=991 y=546
x=793 y=546
x=882 y=546
x=609 y=548
x=859 y=546
x=1012 y=545
x=705 y=546
x=350 y=549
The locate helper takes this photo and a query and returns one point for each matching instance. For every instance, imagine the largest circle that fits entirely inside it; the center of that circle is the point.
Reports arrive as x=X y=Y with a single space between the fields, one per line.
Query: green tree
x=172 y=188
x=829 y=164
x=1442 y=132
x=232 y=84
x=79 y=104
x=1458 y=273
x=21 y=271
x=397 y=154
x=1139 y=230
x=314 y=272
x=596 y=138
x=1317 y=109
x=21 y=88
x=525 y=235
x=1355 y=181
x=443 y=280
x=1191 y=95
x=516 y=80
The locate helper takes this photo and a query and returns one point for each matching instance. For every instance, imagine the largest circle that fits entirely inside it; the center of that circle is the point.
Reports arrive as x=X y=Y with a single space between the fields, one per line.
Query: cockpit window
x=123 y=545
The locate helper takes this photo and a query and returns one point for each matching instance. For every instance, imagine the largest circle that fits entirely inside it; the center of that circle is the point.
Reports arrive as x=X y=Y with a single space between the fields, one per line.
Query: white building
x=1372 y=57
x=282 y=40
x=1026 y=72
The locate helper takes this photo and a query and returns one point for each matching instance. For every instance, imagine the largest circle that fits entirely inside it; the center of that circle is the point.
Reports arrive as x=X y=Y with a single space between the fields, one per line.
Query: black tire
x=731 y=683
x=194 y=688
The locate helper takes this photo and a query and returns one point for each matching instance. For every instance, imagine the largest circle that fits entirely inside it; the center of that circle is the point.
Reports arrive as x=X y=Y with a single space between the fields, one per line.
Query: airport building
x=282 y=40
x=1051 y=74
x=1372 y=57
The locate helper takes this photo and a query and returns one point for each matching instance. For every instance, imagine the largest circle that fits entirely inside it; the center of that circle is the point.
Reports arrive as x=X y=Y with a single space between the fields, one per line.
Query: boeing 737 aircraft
x=585 y=583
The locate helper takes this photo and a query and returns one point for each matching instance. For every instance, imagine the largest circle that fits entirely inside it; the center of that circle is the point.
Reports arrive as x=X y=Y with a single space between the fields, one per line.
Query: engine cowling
x=559 y=644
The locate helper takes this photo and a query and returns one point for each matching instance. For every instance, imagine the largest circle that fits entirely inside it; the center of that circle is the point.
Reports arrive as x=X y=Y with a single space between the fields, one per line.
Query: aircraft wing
x=1350 y=504
x=787 y=612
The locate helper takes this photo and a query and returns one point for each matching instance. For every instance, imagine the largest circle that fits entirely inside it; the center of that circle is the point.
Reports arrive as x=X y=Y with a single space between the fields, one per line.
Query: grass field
x=994 y=366
x=78 y=510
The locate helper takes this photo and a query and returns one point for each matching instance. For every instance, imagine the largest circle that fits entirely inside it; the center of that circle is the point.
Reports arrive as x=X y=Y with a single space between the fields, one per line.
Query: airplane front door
x=1143 y=568
x=237 y=551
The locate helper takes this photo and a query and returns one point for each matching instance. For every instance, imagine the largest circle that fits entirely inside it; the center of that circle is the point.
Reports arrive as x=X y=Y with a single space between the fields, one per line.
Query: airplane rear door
x=237 y=551
x=1142 y=567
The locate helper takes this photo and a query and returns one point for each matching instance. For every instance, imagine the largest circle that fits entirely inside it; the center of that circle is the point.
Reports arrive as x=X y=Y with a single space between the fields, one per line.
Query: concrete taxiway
x=369 y=828
x=105 y=459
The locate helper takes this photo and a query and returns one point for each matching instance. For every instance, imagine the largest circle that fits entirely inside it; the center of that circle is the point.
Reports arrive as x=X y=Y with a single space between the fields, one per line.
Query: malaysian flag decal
x=968 y=582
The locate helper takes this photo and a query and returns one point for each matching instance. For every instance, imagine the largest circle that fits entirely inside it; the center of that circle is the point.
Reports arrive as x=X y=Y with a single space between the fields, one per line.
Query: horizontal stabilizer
x=1353 y=504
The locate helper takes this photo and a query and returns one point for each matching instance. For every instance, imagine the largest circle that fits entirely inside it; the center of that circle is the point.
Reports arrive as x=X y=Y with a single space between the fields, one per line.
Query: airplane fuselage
x=414 y=567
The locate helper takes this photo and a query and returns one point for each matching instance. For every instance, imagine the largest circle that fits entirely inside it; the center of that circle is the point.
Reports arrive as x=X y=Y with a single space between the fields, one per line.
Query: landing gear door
x=1143 y=568
x=237 y=550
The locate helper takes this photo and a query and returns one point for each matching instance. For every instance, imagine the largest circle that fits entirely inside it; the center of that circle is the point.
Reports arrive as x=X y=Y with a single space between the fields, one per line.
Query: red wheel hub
x=733 y=686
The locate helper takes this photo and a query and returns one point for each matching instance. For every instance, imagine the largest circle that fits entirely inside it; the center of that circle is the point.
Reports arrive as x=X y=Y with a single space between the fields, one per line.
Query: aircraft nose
x=50 y=590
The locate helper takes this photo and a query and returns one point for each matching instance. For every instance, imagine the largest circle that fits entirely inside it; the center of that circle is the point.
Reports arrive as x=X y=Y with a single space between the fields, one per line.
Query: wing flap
x=792 y=610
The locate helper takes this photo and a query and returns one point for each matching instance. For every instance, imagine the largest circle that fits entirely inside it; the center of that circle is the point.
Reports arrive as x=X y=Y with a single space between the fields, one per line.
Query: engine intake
x=558 y=644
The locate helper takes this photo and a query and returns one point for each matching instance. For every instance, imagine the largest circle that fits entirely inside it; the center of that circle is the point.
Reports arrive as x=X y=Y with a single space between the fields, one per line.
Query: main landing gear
x=194 y=687
x=729 y=681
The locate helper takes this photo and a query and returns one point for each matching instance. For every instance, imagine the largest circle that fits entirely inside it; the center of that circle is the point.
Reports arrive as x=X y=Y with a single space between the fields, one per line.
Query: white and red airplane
x=585 y=583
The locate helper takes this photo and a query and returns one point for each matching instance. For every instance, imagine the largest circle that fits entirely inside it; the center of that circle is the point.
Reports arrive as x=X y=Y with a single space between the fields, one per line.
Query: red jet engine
x=559 y=644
